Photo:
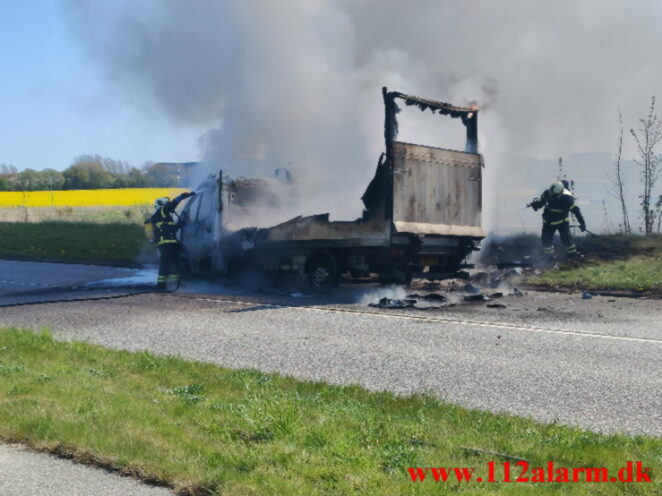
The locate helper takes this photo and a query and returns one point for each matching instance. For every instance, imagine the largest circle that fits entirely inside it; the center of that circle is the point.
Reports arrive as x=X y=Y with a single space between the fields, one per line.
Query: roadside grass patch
x=134 y=214
x=73 y=241
x=612 y=262
x=204 y=429
x=639 y=273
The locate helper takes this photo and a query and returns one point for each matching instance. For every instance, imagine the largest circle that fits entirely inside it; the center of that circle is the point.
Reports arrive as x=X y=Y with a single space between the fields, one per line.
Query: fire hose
x=585 y=230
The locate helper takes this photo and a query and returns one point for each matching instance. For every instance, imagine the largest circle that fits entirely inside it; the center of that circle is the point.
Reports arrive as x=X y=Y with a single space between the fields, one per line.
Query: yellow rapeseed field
x=86 y=197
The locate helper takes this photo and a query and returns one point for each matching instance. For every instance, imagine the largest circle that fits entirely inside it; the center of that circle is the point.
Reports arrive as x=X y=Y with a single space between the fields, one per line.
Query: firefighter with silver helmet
x=162 y=228
x=558 y=202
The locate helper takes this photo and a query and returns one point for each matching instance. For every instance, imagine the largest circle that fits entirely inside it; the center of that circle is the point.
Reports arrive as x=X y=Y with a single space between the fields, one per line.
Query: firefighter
x=165 y=235
x=558 y=203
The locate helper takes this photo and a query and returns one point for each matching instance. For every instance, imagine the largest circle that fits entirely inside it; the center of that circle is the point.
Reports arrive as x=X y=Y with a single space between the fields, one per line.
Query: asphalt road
x=24 y=473
x=594 y=363
x=555 y=357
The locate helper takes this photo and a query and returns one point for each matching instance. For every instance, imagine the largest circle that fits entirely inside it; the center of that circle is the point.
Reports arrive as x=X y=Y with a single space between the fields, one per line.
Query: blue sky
x=57 y=104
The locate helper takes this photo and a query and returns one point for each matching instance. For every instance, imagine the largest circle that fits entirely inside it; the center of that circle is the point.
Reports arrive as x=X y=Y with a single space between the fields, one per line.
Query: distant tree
x=164 y=175
x=617 y=189
x=137 y=179
x=28 y=180
x=8 y=173
x=8 y=169
x=115 y=167
x=116 y=173
x=52 y=179
x=84 y=174
x=647 y=136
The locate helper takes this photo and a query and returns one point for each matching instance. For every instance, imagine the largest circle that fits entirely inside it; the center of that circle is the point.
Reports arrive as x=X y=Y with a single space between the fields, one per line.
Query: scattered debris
x=611 y=300
x=498 y=294
x=425 y=285
x=586 y=295
x=496 y=305
x=517 y=292
x=476 y=297
x=542 y=309
x=394 y=303
x=482 y=278
x=434 y=297
x=471 y=289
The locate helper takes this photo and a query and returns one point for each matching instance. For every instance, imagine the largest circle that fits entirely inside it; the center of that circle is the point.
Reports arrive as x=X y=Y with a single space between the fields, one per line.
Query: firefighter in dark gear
x=165 y=236
x=558 y=203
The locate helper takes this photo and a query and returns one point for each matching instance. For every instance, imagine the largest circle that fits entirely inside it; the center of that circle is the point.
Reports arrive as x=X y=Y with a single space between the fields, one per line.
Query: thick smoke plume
x=296 y=83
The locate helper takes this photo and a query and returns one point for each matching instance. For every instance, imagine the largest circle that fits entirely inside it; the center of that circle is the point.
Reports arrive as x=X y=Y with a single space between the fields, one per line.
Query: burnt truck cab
x=422 y=217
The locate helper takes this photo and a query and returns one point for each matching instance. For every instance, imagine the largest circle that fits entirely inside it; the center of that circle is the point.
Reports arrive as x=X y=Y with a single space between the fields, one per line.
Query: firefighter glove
x=536 y=204
x=582 y=226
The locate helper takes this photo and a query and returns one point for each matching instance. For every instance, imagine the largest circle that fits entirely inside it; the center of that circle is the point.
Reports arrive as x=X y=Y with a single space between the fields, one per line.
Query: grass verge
x=99 y=215
x=73 y=242
x=639 y=273
x=203 y=429
x=612 y=262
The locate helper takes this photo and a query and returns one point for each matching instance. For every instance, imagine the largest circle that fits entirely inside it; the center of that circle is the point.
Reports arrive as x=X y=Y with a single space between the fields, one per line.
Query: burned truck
x=422 y=216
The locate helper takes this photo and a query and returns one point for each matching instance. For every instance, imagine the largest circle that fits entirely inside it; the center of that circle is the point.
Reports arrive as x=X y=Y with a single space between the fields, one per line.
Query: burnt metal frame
x=469 y=117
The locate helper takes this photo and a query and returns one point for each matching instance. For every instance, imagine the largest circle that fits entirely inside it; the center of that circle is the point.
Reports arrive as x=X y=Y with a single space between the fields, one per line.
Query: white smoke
x=296 y=83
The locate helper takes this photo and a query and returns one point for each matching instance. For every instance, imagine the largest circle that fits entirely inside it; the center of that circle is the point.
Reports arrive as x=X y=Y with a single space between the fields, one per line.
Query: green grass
x=639 y=273
x=73 y=241
x=203 y=429
x=612 y=262
x=125 y=215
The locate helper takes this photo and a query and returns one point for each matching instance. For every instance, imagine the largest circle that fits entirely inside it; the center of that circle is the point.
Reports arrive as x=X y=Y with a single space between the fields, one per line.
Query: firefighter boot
x=548 y=254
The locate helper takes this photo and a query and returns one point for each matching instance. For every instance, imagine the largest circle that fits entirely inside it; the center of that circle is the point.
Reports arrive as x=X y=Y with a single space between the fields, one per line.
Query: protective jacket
x=558 y=208
x=164 y=221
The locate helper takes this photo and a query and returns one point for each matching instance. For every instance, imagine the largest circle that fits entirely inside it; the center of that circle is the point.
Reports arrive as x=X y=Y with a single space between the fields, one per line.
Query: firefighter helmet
x=556 y=188
x=159 y=202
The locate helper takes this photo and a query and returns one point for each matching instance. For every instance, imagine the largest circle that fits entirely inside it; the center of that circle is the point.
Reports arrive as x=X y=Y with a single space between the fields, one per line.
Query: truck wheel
x=322 y=275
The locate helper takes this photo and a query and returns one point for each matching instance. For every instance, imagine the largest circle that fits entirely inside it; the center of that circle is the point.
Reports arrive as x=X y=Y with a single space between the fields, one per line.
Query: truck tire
x=322 y=274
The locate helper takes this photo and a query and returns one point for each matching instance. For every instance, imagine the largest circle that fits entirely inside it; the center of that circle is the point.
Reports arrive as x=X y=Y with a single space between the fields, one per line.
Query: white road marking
x=474 y=323
x=23 y=283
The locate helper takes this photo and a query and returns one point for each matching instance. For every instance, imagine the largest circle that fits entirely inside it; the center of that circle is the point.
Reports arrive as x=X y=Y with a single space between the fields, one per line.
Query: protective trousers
x=548 y=230
x=169 y=265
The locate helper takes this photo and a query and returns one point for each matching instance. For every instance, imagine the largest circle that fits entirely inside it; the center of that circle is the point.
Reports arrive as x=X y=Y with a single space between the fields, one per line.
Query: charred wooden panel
x=318 y=227
x=436 y=191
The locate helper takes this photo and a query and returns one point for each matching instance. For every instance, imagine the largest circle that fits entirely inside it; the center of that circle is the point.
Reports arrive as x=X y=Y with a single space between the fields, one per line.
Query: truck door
x=198 y=230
